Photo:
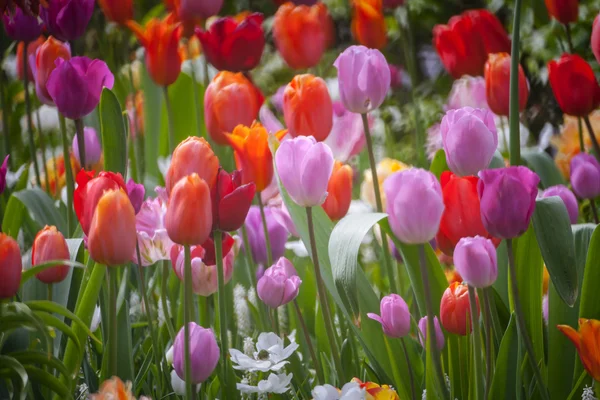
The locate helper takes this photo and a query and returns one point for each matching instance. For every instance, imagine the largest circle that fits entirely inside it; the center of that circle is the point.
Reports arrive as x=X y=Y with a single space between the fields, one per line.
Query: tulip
x=475 y=260
x=50 y=245
x=572 y=71
x=307 y=107
x=304 y=167
x=564 y=11
x=203 y=349
x=256 y=235
x=231 y=201
x=93 y=148
x=497 y=84
x=85 y=79
x=20 y=26
x=230 y=100
x=385 y=169
x=567 y=197
x=368 y=23
x=585 y=176
x=470 y=139
x=136 y=193
x=161 y=41
x=455 y=311
x=394 y=316
x=89 y=191
x=300 y=34
x=119 y=11
x=468 y=91
x=202 y=9
x=363 y=78
x=112 y=236
x=234 y=46
x=3 y=171
x=154 y=242
x=587 y=342
x=10 y=267
x=31 y=50
x=279 y=284
x=347 y=136
x=595 y=41
x=339 y=191
x=67 y=19
x=189 y=216
x=193 y=155
x=439 y=335
x=414 y=205
x=507 y=197
x=43 y=63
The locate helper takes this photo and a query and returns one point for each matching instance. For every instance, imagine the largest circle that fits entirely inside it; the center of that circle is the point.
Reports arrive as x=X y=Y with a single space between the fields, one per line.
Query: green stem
x=81 y=143
x=187 y=305
x=515 y=143
x=112 y=322
x=43 y=148
x=522 y=328
x=163 y=299
x=477 y=349
x=5 y=118
x=410 y=370
x=169 y=119
x=197 y=106
x=569 y=38
x=489 y=361
x=265 y=230
x=222 y=304
x=323 y=298
x=311 y=349
x=136 y=142
x=581 y=140
x=68 y=172
x=384 y=242
x=249 y=263
x=590 y=129
x=50 y=287
x=36 y=167
x=594 y=211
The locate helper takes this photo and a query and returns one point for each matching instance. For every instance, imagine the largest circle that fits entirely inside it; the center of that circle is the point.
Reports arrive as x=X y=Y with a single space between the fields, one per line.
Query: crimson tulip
x=564 y=11
x=209 y=256
x=231 y=201
x=574 y=85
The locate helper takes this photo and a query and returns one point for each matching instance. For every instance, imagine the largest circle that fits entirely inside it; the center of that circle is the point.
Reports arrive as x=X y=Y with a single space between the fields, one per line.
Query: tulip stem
x=187 y=313
x=431 y=335
x=384 y=243
x=112 y=322
x=218 y=236
x=43 y=148
x=581 y=140
x=590 y=129
x=171 y=130
x=569 y=38
x=323 y=297
x=81 y=143
x=163 y=299
x=5 y=118
x=265 y=229
x=36 y=167
x=68 y=172
x=477 y=349
x=136 y=142
x=311 y=349
x=522 y=328
x=413 y=393
x=487 y=320
x=195 y=90
x=515 y=143
x=594 y=211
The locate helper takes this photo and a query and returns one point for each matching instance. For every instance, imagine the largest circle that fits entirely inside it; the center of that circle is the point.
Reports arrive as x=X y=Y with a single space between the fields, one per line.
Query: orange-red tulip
x=339 y=191
x=193 y=155
x=307 y=107
x=45 y=59
x=587 y=342
x=31 y=49
x=564 y=11
x=252 y=154
x=10 y=267
x=230 y=100
x=113 y=233
x=368 y=23
x=119 y=11
x=455 y=309
x=50 y=245
x=497 y=84
x=189 y=214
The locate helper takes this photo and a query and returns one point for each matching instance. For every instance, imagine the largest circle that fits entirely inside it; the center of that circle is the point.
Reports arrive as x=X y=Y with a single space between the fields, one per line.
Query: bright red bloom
x=497 y=84
x=231 y=201
x=564 y=11
x=209 y=256
x=455 y=309
x=574 y=85
x=234 y=46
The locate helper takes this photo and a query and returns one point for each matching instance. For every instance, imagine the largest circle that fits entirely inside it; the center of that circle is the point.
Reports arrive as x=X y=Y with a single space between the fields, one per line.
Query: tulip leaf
x=504 y=385
x=13 y=368
x=40 y=206
x=497 y=161
x=153 y=99
x=114 y=134
x=555 y=238
x=543 y=165
x=31 y=272
x=439 y=164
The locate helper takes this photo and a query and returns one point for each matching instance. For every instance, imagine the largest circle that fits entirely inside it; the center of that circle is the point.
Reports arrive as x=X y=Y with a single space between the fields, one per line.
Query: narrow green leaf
x=504 y=385
x=439 y=164
x=39 y=357
x=41 y=208
x=590 y=295
x=125 y=367
x=14 y=367
x=43 y=378
x=31 y=272
x=542 y=164
x=114 y=137
x=13 y=217
x=153 y=100
x=52 y=307
x=52 y=321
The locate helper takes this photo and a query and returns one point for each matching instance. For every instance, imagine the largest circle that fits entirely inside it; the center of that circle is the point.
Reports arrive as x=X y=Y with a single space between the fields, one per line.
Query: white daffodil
x=273 y=384
x=270 y=354
x=350 y=391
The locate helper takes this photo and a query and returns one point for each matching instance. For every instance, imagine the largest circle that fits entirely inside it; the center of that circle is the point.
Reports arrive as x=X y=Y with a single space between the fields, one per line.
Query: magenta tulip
x=394 y=316
x=279 y=284
x=475 y=260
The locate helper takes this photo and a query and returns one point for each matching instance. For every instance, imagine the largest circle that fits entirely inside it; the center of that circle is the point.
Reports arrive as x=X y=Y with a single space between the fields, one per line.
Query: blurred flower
x=273 y=384
x=231 y=201
x=347 y=136
x=119 y=11
x=586 y=341
x=567 y=142
x=497 y=84
x=11 y=267
x=203 y=350
x=136 y=193
x=192 y=156
x=468 y=91
x=475 y=260
x=202 y=9
x=153 y=240
x=50 y=245
x=397 y=76
x=573 y=71
x=93 y=148
x=135 y=111
x=279 y=284
x=350 y=391
x=377 y=392
x=3 y=171
x=545 y=308
x=256 y=235
x=339 y=191
x=385 y=168
x=368 y=23
x=31 y=50
x=595 y=41
x=567 y=197
x=455 y=311
x=56 y=179
x=282 y=215
x=394 y=316
x=114 y=389
x=20 y=26
x=67 y=19
x=564 y=11
x=585 y=176
x=270 y=355
x=439 y=335
x=43 y=62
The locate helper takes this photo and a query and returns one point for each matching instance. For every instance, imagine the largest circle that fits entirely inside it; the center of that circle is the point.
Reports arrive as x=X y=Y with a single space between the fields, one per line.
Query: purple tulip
x=468 y=91
x=567 y=197
x=470 y=139
x=21 y=27
x=439 y=335
x=76 y=85
x=279 y=284
x=347 y=136
x=93 y=149
x=414 y=205
x=67 y=19
x=585 y=176
x=136 y=193
x=3 y=171
x=507 y=197
x=202 y=9
x=363 y=78
x=256 y=235
x=475 y=260
x=277 y=99
x=304 y=167
x=204 y=353
x=394 y=316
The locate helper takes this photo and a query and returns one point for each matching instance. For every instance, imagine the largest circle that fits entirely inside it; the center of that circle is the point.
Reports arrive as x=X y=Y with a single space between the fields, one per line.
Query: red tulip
x=574 y=85
x=497 y=84
x=50 y=245
x=209 y=258
x=455 y=309
x=11 y=267
x=231 y=201
x=234 y=46
x=564 y=11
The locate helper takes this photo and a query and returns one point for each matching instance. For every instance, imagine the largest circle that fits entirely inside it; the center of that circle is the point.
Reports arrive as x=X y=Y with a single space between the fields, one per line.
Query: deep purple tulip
x=3 y=171
x=567 y=197
x=394 y=316
x=76 y=85
x=439 y=335
x=475 y=260
x=93 y=149
x=136 y=193
x=204 y=353
x=279 y=284
x=67 y=19
x=585 y=176
x=21 y=27
x=507 y=197
x=256 y=235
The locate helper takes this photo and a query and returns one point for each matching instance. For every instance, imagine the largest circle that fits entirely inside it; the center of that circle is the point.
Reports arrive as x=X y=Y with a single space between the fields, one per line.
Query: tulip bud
x=67 y=20
x=567 y=197
x=20 y=26
x=572 y=71
x=307 y=107
x=118 y=11
x=414 y=205
x=50 y=245
x=43 y=63
x=304 y=167
x=230 y=100
x=470 y=139
x=585 y=176
x=368 y=23
x=278 y=235
x=203 y=349
x=564 y=11
x=475 y=260
x=31 y=50
x=468 y=91
x=231 y=201
x=507 y=197
x=455 y=309
x=497 y=84
x=439 y=335
x=136 y=193
x=10 y=267
x=596 y=38
x=193 y=155
x=93 y=149
x=279 y=284
x=339 y=191
x=364 y=78
x=189 y=216
x=394 y=316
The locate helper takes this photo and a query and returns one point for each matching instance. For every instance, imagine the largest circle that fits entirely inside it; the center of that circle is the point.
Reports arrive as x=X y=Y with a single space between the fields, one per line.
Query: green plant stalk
x=112 y=322
x=265 y=230
x=413 y=393
x=311 y=349
x=384 y=242
x=68 y=172
x=81 y=143
x=197 y=106
x=248 y=253
x=522 y=328
x=187 y=312
x=323 y=298
x=138 y=148
x=594 y=211
x=5 y=118
x=218 y=236
x=36 y=167
x=590 y=129
x=163 y=299
x=515 y=142
x=569 y=37
x=43 y=148
x=169 y=119
x=581 y=140
x=477 y=349
x=489 y=361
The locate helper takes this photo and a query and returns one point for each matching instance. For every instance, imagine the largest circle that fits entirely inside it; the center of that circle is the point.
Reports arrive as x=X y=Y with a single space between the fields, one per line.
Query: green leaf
x=31 y=272
x=553 y=232
x=439 y=164
x=10 y=366
x=543 y=165
x=114 y=137
x=43 y=378
x=125 y=367
x=504 y=385
x=590 y=295
x=153 y=100
x=52 y=321
x=39 y=357
x=13 y=217
x=40 y=206
x=52 y=307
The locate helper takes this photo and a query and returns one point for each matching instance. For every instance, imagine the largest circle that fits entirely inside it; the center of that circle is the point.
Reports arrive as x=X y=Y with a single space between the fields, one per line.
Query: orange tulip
x=119 y=11
x=161 y=40
x=114 y=389
x=189 y=213
x=587 y=342
x=31 y=49
x=50 y=245
x=252 y=154
x=368 y=23
x=230 y=100
x=193 y=155
x=307 y=107
x=113 y=234
x=497 y=84
x=373 y=391
x=11 y=267
x=339 y=191
x=45 y=60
